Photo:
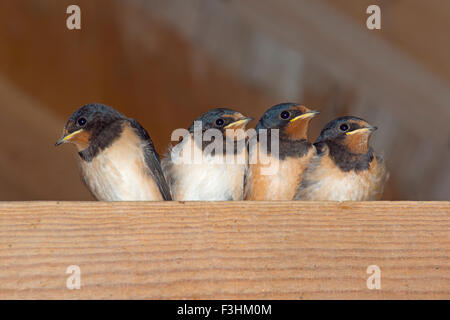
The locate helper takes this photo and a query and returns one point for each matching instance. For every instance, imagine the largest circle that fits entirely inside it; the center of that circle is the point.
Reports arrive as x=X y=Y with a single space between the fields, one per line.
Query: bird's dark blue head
x=350 y=132
x=221 y=119
x=88 y=124
x=291 y=119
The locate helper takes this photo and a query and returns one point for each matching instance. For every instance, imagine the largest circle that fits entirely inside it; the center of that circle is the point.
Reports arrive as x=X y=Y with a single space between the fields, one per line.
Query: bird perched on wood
x=345 y=167
x=117 y=158
x=281 y=182
x=197 y=167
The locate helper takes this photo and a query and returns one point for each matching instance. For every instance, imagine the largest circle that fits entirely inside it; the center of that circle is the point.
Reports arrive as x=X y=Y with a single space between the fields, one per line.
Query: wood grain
x=224 y=250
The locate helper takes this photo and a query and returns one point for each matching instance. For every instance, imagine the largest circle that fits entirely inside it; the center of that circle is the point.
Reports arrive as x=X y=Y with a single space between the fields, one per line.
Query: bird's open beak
x=307 y=115
x=67 y=138
x=239 y=124
x=362 y=130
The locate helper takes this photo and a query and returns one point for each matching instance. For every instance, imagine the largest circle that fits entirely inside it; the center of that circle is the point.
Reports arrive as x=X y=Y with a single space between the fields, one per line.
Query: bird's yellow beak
x=307 y=115
x=238 y=124
x=66 y=138
x=362 y=130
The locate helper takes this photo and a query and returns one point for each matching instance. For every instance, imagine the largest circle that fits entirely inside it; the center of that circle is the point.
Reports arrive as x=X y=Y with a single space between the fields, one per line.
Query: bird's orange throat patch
x=235 y=134
x=357 y=143
x=81 y=140
x=298 y=130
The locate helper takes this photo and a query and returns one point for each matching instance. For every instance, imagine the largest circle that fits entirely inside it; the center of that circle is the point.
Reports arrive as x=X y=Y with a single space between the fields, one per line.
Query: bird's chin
x=357 y=144
x=80 y=147
x=81 y=140
x=236 y=134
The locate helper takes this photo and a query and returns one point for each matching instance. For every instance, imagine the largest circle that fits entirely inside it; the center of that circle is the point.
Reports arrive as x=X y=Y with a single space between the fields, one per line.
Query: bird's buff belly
x=208 y=182
x=338 y=186
x=121 y=179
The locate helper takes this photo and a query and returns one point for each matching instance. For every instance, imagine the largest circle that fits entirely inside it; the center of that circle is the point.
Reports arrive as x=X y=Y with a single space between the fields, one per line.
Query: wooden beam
x=224 y=250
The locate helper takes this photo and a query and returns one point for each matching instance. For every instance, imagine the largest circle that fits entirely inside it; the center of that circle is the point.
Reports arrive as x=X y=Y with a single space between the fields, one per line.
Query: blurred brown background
x=166 y=62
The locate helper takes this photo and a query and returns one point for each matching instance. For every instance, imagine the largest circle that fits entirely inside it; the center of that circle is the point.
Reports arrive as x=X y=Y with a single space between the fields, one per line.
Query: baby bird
x=198 y=170
x=273 y=176
x=117 y=158
x=345 y=167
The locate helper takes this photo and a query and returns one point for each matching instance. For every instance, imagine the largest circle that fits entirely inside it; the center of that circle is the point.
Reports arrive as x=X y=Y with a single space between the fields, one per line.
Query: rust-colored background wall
x=166 y=62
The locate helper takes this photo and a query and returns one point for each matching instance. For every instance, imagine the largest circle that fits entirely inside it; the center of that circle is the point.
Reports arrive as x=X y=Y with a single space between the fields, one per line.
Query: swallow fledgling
x=118 y=161
x=346 y=167
x=280 y=174
x=196 y=171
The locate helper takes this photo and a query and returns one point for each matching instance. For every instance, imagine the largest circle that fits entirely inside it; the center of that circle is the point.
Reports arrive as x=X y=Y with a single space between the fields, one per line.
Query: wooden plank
x=270 y=250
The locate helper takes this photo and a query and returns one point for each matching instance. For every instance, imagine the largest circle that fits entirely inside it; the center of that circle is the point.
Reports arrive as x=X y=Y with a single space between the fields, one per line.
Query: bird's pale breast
x=281 y=181
x=325 y=181
x=210 y=180
x=120 y=173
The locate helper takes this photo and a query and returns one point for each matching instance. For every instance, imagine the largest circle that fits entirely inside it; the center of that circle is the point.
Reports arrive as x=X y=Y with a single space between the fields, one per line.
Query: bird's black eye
x=285 y=115
x=343 y=127
x=82 y=122
x=219 y=122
